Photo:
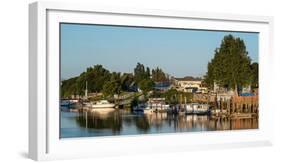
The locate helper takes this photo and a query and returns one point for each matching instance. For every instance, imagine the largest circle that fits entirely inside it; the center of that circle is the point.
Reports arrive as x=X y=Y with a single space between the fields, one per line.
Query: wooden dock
x=236 y=107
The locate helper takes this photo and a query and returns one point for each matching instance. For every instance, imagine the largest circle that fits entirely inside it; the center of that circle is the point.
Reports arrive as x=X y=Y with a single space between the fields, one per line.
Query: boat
x=64 y=103
x=102 y=104
x=176 y=109
x=189 y=109
x=157 y=104
x=142 y=108
x=149 y=108
x=157 y=107
x=197 y=108
x=68 y=103
x=87 y=104
x=153 y=105
x=139 y=107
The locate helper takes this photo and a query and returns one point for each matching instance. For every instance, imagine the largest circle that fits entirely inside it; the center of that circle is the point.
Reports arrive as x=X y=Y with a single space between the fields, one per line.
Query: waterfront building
x=190 y=84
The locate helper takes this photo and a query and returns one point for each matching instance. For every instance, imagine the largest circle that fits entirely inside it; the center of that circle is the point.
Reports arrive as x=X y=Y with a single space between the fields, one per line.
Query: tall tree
x=158 y=75
x=231 y=65
x=95 y=76
x=141 y=73
x=147 y=72
x=69 y=87
x=255 y=74
x=113 y=86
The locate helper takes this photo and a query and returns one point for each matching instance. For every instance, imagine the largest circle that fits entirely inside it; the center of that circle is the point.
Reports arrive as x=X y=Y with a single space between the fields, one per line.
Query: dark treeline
x=99 y=79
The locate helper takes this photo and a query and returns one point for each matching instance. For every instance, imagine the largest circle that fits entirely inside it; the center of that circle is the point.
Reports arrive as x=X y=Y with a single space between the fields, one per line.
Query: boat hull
x=103 y=106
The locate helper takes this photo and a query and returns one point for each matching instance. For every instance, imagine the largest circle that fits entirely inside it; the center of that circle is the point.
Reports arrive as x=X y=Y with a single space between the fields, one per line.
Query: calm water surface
x=110 y=122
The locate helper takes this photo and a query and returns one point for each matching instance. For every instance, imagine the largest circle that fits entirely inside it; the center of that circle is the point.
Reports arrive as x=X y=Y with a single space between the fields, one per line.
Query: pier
x=236 y=107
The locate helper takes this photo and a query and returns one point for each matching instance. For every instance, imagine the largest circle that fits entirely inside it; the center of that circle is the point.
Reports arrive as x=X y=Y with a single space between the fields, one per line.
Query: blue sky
x=179 y=52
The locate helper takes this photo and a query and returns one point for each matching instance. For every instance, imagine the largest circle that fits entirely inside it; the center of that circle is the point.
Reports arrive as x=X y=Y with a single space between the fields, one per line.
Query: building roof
x=189 y=78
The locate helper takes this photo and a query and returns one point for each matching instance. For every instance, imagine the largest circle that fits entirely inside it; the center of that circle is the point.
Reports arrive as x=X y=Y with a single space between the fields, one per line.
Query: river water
x=109 y=122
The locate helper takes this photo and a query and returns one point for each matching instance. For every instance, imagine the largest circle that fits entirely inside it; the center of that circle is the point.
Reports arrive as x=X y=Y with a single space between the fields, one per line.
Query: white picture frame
x=44 y=141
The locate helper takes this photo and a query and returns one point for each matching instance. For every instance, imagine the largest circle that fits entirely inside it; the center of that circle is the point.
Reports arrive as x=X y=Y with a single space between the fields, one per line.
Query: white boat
x=148 y=111
x=189 y=109
x=157 y=107
x=102 y=104
x=197 y=108
x=157 y=104
x=149 y=108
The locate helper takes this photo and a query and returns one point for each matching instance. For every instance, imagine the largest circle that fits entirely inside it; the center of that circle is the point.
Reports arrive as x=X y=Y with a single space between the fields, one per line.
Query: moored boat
x=157 y=104
x=102 y=104
x=139 y=107
x=197 y=108
x=143 y=107
x=68 y=103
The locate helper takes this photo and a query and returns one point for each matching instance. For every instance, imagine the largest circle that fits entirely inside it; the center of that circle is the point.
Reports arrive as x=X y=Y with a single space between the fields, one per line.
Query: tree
x=231 y=65
x=146 y=85
x=255 y=74
x=126 y=80
x=140 y=72
x=147 y=72
x=209 y=77
x=94 y=76
x=69 y=87
x=113 y=86
x=172 y=96
x=158 y=75
x=110 y=88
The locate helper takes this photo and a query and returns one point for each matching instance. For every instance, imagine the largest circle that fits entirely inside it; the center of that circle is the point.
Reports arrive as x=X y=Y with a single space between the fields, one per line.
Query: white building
x=190 y=84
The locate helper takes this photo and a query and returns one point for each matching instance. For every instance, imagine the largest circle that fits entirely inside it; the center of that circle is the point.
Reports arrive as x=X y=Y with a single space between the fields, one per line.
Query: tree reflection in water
x=142 y=123
x=100 y=119
x=122 y=122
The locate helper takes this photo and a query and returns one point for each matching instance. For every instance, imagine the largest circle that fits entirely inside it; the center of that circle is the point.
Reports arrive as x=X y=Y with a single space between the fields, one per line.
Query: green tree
x=147 y=72
x=172 y=96
x=94 y=76
x=146 y=85
x=126 y=80
x=110 y=88
x=113 y=86
x=231 y=65
x=255 y=74
x=158 y=75
x=69 y=87
x=141 y=73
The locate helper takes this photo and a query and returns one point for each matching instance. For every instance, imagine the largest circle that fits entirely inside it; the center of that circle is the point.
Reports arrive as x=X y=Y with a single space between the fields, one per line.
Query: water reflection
x=101 y=119
x=109 y=122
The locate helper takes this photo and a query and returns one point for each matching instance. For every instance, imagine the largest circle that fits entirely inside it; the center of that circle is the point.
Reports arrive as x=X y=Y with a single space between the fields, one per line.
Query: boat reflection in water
x=105 y=118
x=108 y=122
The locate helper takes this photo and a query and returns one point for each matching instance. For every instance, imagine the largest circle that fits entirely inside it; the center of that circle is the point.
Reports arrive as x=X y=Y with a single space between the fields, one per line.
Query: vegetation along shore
x=228 y=89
